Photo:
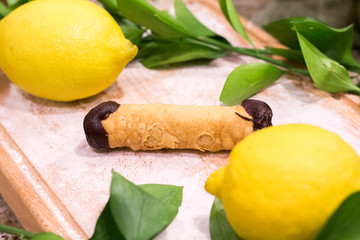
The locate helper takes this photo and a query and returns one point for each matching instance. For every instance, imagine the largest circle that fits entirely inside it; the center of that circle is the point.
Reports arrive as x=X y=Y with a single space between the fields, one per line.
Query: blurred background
x=336 y=13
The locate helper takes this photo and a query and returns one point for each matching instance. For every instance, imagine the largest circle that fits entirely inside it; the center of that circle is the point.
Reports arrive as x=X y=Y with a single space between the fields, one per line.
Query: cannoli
x=157 y=126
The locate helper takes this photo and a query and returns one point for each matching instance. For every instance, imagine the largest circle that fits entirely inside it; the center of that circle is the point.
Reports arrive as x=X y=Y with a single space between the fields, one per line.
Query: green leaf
x=144 y=14
x=158 y=54
x=170 y=194
x=344 y=223
x=354 y=69
x=132 y=31
x=192 y=25
x=246 y=80
x=111 y=6
x=283 y=30
x=12 y=4
x=294 y=55
x=138 y=214
x=335 y=43
x=3 y=10
x=327 y=74
x=220 y=228
x=106 y=228
x=46 y=236
x=229 y=11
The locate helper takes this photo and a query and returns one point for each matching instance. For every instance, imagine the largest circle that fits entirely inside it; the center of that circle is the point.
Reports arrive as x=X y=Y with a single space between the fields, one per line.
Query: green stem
x=16 y=231
x=356 y=91
x=257 y=53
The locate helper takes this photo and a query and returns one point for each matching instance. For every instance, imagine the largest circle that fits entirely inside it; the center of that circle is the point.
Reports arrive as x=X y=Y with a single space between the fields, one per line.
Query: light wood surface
x=28 y=194
x=55 y=182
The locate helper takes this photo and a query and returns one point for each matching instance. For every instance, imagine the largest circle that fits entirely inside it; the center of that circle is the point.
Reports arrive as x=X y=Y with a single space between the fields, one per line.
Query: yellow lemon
x=284 y=182
x=62 y=49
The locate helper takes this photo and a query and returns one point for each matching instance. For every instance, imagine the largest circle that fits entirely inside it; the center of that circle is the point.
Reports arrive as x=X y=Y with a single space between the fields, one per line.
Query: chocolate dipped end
x=260 y=112
x=95 y=133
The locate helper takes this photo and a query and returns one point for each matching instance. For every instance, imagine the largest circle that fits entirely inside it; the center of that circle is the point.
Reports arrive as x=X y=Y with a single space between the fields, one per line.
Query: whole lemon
x=284 y=182
x=62 y=49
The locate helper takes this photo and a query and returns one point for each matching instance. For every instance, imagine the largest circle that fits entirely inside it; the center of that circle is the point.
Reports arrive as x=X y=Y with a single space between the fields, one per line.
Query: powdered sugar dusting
x=51 y=135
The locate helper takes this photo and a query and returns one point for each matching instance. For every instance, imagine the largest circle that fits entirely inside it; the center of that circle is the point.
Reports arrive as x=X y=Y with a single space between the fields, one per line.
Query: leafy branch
x=181 y=38
x=165 y=39
x=168 y=33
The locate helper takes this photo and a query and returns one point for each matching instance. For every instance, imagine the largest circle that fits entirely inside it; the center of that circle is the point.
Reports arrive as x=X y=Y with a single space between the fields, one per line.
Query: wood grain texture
x=55 y=182
x=28 y=194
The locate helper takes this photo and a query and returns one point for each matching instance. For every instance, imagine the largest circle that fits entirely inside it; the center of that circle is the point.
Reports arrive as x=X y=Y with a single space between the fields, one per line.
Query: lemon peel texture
x=284 y=182
x=63 y=49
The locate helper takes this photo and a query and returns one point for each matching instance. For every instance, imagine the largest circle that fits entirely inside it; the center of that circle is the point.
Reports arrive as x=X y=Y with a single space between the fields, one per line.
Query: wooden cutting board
x=54 y=181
